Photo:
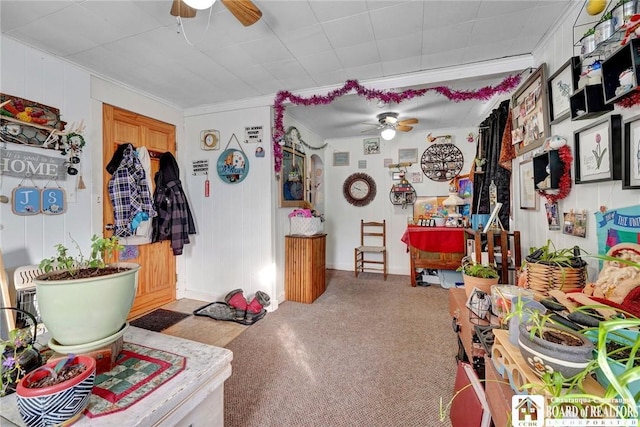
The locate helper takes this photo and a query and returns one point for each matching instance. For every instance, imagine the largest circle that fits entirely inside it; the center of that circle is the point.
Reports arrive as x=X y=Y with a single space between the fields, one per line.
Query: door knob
x=109 y=227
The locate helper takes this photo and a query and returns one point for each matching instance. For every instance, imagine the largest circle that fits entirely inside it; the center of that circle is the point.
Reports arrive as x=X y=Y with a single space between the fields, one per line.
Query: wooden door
x=157 y=276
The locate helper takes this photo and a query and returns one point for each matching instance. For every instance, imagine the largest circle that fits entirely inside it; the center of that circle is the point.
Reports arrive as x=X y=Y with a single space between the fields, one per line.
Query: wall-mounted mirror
x=293 y=178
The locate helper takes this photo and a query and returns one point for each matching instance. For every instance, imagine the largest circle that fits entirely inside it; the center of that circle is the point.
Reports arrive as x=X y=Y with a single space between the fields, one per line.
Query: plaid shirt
x=129 y=194
x=174 y=221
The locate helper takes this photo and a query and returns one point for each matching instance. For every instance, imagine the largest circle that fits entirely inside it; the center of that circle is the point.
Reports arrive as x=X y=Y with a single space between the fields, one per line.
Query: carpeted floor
x=366 y=353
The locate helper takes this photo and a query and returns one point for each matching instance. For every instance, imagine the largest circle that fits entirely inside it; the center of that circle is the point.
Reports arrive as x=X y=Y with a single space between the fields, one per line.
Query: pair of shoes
x=237 y=300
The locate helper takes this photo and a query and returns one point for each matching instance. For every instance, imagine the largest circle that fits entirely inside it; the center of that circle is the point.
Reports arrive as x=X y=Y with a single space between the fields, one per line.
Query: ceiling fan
x=244 y=10
x=389 y=124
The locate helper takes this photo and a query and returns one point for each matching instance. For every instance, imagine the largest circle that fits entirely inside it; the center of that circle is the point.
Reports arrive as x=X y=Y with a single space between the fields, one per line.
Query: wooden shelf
x=590 y=100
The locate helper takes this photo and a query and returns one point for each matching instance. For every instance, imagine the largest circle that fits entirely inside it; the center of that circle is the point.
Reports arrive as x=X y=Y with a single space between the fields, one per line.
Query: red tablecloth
x=435 y=239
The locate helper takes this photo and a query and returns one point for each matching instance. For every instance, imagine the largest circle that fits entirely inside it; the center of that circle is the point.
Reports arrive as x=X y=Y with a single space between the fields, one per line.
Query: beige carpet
x=366 y=353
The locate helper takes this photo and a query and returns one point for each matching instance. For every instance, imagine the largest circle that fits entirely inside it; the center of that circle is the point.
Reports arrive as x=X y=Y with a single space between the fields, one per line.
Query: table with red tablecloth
x=438 y=248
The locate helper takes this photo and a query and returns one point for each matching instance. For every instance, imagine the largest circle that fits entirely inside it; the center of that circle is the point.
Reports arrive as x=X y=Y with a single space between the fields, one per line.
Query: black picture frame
x=560 y=87
x=590 y=155
x=530 y=111
x=631 y=162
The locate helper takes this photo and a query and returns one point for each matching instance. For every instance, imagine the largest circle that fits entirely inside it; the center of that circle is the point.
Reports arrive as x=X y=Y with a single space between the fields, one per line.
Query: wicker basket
x=542 y=277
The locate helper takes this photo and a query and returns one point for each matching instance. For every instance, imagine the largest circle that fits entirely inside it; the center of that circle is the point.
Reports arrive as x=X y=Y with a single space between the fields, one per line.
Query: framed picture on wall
x=371 y=145
x=528 y=196
x=407 y=155
x=561 y=86
x=598 y=151
x=530 y=112
x=631 y=154
x=341 y=158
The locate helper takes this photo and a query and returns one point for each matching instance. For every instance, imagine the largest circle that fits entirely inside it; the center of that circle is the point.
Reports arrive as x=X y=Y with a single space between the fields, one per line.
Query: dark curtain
x=489 y=146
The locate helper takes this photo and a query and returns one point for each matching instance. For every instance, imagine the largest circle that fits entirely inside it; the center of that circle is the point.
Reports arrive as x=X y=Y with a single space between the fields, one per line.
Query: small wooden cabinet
x=304 y=276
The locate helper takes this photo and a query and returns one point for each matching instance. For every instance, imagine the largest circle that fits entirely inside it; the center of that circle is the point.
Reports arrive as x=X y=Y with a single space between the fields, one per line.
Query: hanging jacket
x=129 y=194
x=142 y=234
x=174 y=221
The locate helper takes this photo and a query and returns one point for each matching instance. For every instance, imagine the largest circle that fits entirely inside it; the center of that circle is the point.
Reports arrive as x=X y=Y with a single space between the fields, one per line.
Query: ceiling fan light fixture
x=200 y=4
x=388 y=133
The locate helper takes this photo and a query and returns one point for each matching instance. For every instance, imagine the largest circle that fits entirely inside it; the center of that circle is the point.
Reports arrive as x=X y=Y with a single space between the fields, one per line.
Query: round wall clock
x=359 y=189
x=210 y=139
x=442 y=162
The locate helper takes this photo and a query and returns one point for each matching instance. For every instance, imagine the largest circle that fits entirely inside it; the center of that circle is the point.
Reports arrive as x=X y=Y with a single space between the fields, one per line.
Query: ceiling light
x=388 y=133
x=200 y=4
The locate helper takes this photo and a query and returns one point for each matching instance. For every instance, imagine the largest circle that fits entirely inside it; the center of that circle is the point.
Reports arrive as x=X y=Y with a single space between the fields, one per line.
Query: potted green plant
x=604 y=28
x=84 y=301
x=58 y=392
x=547 y=347
x=550 y=268
x=477 y=275
x=17 y=355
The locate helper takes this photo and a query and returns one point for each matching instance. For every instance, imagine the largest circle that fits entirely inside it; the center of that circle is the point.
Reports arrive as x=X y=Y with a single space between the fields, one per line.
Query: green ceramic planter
x=87 y=310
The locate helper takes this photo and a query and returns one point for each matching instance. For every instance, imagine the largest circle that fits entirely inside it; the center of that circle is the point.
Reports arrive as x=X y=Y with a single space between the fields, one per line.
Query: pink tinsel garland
x=482 y=94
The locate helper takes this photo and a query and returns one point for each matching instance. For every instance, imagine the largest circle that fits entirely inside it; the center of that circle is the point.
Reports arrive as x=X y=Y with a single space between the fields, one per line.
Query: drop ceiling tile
x=283 y=16
x=443 y=59
x=484 y=30
x=400 y=47
x=536 y=23
x=349 y=31
x=51 y=39
x=439 y=14
x=124 y=16
x=268 y=49
x=330 y=10
x=303 y=41
x=364 y=72
x=366 y=53
x=299 y=83
x=498 y=8
x=401 y=66
x=398 y=20
x=446 y=39
x=230 y=57
x=320 y=62
x=284 y=69
x=330 y=78
x=16 y=13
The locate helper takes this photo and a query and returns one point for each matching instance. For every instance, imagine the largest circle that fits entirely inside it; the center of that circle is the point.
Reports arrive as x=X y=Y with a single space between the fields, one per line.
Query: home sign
x=35 y=166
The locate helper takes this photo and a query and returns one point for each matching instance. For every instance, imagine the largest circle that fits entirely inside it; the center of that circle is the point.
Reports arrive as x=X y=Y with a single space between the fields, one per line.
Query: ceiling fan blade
x=403 y=128
x=244 y=10
x=405 y=122
x=180 y=8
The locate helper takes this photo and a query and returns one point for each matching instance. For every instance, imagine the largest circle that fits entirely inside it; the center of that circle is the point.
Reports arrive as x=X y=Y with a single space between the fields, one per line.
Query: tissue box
x=305 y=226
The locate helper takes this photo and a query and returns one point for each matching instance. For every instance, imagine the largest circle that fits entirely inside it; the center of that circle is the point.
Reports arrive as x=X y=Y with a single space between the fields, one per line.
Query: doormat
x=139 y=370
x=159 y=320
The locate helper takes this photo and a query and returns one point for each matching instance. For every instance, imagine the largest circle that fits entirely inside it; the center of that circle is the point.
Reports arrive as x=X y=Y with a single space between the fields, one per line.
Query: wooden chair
x=370 y=231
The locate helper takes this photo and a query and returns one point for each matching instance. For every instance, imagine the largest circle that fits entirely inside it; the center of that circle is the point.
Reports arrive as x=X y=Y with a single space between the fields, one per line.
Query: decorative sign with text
x=22 y=164
x=253 y=134
x=618 y=226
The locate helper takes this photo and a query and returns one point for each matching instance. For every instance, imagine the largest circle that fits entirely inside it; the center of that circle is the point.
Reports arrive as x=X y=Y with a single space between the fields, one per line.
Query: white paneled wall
x=343 y=220
x=30 y=74
x=555 y=50
x=234 y=247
